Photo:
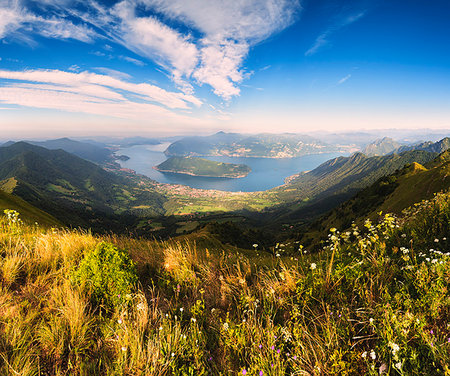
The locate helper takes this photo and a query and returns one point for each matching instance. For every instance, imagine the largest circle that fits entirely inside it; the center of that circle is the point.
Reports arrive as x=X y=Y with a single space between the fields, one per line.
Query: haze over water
x=266 y=173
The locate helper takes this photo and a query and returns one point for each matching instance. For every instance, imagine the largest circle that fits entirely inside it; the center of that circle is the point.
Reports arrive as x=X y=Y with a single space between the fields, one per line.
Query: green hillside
x=29 y=213
x=75 y=191
x=337 y=180
x=390 y=194
x=203 y=167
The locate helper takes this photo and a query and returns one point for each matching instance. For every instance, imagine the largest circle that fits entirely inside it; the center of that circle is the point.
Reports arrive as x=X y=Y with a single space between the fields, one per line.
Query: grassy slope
x=368 y=302
x=30 y=213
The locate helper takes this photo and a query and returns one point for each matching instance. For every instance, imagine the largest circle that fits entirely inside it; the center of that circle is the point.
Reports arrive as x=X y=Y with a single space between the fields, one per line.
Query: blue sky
x=154 y=67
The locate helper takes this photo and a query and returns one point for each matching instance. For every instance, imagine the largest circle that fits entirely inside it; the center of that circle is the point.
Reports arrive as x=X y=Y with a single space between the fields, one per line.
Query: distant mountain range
x=85 y=150
x=381 y=146
x=387 y=145
x=240 y=145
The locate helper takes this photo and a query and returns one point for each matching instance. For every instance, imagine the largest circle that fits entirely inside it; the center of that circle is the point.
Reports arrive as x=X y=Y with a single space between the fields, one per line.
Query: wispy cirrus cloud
x=93 y=94
x=324 y=38
x=17 y=21
x=210 y=49
x=343 y=79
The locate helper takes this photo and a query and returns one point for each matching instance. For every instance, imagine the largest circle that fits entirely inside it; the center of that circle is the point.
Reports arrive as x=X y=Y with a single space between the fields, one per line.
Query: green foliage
x=109 y=273
x=203 y=167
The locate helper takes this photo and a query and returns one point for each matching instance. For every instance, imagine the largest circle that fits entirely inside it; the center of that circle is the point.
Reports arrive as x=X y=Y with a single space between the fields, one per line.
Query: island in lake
x=195 y=166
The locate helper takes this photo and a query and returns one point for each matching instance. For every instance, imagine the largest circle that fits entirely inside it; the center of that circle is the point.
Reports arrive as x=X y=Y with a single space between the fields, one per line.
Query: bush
x=109 y=274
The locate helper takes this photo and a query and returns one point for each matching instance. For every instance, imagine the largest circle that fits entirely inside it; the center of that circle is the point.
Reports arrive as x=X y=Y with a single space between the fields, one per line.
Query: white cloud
x=149 y=37
x=222 y=32
x=219 y=66
x=229 y=30
x=243 y=20
x=91 y=93
x=132 y=60
x=16 y=20
x=323 y=39
x=343 y=79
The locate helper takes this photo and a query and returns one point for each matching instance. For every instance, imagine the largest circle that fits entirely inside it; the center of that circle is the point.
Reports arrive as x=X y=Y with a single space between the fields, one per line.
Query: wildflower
x=124 y=348
x=398 y=365
x=225 y=326
x=333 y=229
x=403 y=235
x=278 y=351
x=160 y=328
x=395 y=348
x=173 y=354
x=181 y=309
x=313 y=266
x=261 y=373
x=255 y=245
x=373 y=355
x=193 y=319
x=140 y=306
x=277 y=255
x=244 y=371
x=294 y=357
x=119 y=321
x=436 y=240
x=364 y=355
x=260 y=346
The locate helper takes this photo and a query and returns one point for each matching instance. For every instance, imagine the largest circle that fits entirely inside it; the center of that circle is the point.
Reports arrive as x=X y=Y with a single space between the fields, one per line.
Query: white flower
x=394 y=347
x=255 y=245
x=140 y=306
x=436 y=240
x=160 y=328
x=119 y=321
x=371 y=320
x=193 y=319
x=372 y=354
x=181 y=309
x=313 y=266
x=398 y=365
x=364 y=354
x=173 y=354
x=225 y=326
x=124 y=348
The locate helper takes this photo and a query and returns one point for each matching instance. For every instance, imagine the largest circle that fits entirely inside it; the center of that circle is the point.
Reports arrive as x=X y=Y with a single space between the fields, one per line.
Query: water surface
x=266 y=172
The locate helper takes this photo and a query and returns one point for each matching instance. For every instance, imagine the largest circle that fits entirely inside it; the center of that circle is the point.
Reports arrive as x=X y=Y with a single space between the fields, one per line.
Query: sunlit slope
x=30 y=213
x=392 y=194
x=337 y=180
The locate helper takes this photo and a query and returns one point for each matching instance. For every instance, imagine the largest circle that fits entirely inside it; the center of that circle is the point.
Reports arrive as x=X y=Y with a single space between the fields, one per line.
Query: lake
x=266 y=172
